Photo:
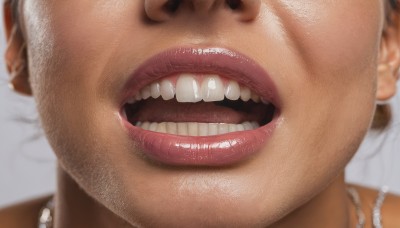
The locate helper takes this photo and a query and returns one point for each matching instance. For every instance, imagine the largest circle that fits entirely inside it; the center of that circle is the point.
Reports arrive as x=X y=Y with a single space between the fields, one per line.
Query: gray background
x=27 y=165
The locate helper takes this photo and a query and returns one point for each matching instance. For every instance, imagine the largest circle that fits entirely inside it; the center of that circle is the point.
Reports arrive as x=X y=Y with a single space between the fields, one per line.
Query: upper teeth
x=188 y=88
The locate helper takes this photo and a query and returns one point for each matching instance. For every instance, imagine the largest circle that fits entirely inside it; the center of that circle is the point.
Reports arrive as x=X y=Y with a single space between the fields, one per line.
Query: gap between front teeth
x=187 y=89
x=196 y=129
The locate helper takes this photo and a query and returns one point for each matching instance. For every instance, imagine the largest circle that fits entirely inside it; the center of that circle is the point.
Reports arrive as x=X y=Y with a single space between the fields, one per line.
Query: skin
x=330 y=61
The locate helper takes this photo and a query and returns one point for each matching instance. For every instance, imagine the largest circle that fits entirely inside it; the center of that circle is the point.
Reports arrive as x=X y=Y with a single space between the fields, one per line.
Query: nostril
x=234 y=4
x=172 y=5
x=163 y=10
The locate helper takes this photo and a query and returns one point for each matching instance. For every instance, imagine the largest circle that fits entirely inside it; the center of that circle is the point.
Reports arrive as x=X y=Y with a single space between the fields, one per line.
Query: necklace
x=46 y=215
x=355 y=198
x=376 y=210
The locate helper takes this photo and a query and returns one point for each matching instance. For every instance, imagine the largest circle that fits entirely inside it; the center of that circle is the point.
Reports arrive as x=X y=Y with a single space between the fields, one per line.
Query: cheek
x=329 y=90
x=74 y=41
x=340 y=34
x=70 y=44
x=337 y=45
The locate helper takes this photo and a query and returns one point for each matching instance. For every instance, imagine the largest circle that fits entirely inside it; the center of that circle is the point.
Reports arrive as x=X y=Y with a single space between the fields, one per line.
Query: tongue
x=203 y=112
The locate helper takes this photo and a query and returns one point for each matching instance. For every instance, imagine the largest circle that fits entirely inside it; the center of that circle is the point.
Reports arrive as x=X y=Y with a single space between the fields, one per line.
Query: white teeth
x=155 y=90
x=167 y=90
x=196 y=129
x=247 y=126
x=131 y=100
x=182 y=129
x=153 y=126
x=138 y=97
x=232 y=128
x=146 y=92
x=239 y=127
x=187 y=89
x=172 y=128
x=223 y=129
x=255 y=98
x=193 y=129
x=245 y=93
x=264 y=101
x=213 y=129
x=145 y=125
x=232 y=91
x=162 y=127
x=212 y=89
x=203 y=129
x=255 y=125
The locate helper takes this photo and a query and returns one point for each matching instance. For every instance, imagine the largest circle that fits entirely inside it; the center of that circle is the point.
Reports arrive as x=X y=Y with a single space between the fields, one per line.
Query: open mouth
x=197 y=105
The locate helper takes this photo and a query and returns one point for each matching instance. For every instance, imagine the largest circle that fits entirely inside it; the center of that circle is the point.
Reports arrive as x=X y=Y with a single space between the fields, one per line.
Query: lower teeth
x=196 y=129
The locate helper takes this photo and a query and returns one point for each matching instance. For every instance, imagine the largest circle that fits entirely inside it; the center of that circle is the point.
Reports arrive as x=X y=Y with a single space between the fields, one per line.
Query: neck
x=329 y=209
x=74 y=208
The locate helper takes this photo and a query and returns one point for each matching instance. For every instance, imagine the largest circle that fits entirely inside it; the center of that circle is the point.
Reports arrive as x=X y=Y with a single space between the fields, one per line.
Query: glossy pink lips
x=220 y=150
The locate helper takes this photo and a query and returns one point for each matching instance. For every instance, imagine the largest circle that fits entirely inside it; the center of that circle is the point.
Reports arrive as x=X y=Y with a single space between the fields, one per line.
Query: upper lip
x=221 y=61
x=219 y=150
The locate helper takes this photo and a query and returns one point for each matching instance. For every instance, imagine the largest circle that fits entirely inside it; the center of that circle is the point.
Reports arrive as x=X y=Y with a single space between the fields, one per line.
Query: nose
x=163 y=10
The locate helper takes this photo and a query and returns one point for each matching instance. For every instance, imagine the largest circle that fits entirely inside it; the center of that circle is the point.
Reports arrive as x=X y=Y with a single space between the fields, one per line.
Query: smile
x=201 y=107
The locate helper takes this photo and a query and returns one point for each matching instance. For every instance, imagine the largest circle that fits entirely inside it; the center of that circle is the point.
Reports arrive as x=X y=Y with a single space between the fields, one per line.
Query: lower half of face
x=320 y=57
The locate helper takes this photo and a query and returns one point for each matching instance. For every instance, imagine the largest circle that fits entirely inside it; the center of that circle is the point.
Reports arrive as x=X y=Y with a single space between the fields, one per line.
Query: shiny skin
x=322 y=56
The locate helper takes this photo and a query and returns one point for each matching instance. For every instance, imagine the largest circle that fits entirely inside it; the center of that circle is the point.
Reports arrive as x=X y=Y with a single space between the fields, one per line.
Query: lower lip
x=213 y=151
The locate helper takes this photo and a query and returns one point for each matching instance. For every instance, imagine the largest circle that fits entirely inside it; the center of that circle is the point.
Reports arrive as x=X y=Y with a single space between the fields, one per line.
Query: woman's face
x=320 y=55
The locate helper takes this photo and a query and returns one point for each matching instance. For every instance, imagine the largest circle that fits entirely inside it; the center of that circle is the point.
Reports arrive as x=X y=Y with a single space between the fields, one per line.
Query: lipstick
x=217 y=150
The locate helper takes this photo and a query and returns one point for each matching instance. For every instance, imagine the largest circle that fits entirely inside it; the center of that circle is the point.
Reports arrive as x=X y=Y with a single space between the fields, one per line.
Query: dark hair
x=383 y=114
x=394 y=4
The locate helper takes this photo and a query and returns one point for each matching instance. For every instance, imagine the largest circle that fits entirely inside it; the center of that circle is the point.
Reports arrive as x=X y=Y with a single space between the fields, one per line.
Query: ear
x=15 y=55
x=389 y=59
